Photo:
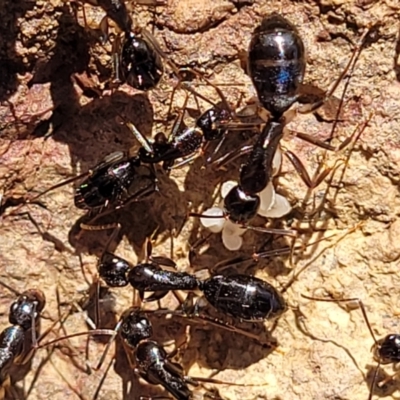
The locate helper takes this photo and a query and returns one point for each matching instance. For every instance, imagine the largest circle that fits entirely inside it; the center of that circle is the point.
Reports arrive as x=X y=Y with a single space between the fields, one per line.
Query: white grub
x=267 y=198
x=226 y=187
x=216 y=224
x=279 y=208
x=232 y=235
x=277 y=162
x=272 y=205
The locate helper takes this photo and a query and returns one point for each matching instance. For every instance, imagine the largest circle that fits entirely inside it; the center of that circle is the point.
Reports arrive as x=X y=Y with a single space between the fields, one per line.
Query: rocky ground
x=58 y=119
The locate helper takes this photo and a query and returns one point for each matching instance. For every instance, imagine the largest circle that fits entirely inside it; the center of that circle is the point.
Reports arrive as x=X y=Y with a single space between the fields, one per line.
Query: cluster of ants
x=276 y=66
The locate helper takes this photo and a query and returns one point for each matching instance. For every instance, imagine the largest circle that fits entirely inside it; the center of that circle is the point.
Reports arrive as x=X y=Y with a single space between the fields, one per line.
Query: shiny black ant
x=123 y=177
x=276 y=65
x=239 y=296
x=385 y=350
x=115 y=182
x=149 y=360
x=184 y=142
x=14 y=349
x=137 y=57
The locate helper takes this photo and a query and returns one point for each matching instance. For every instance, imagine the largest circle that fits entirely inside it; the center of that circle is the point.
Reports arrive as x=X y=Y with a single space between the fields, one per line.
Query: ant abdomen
x=11 y=343
x=244 y=297
x=276 y=63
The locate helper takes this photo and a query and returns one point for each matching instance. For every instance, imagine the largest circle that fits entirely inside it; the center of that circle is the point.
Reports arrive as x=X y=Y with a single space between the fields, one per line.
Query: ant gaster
x=109 y=183
x=113 y=182
x=276 y=64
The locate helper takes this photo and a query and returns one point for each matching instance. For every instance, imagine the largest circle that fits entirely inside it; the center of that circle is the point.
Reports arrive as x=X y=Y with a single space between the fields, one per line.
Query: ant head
x=160 y=138
x=241 y=207
x=141 y=65
x=26 y=308
x=210 y=121
x=113 y=270
x=135 y=327
x=387 y=350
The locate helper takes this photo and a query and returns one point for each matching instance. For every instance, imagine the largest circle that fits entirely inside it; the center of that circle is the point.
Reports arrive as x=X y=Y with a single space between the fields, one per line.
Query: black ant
x=118 y=180
x=122 y=177
x=276 y=65
x=185 y=142
x=240 y=296
x=14 y=349
x=385 y=350
x=150 y=360
x=137 y=58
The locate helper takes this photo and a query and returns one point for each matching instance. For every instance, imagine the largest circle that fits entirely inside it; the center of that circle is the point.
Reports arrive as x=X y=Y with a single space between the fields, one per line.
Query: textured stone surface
x=326 y=356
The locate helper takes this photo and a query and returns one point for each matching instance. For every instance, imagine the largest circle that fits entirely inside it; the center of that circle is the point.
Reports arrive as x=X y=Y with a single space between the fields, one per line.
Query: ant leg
x=321 y=175
x=37 y=340
x=231 y=156
x=348 y=69
x=375 y=377
x=103 y=378
x=388 y=379
x=104 y=27
x=310 y=139
x=272 y=231
x=116 y=51
x=187 y=160
x=225 y=102
x=301 y=170
x=376 y=344
x=254 y=258
x=32 y=200
x=181 y=348
x=178 y=120
x=146 y=34
x=110 y=342
x=347 y=300
x=223 y=325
